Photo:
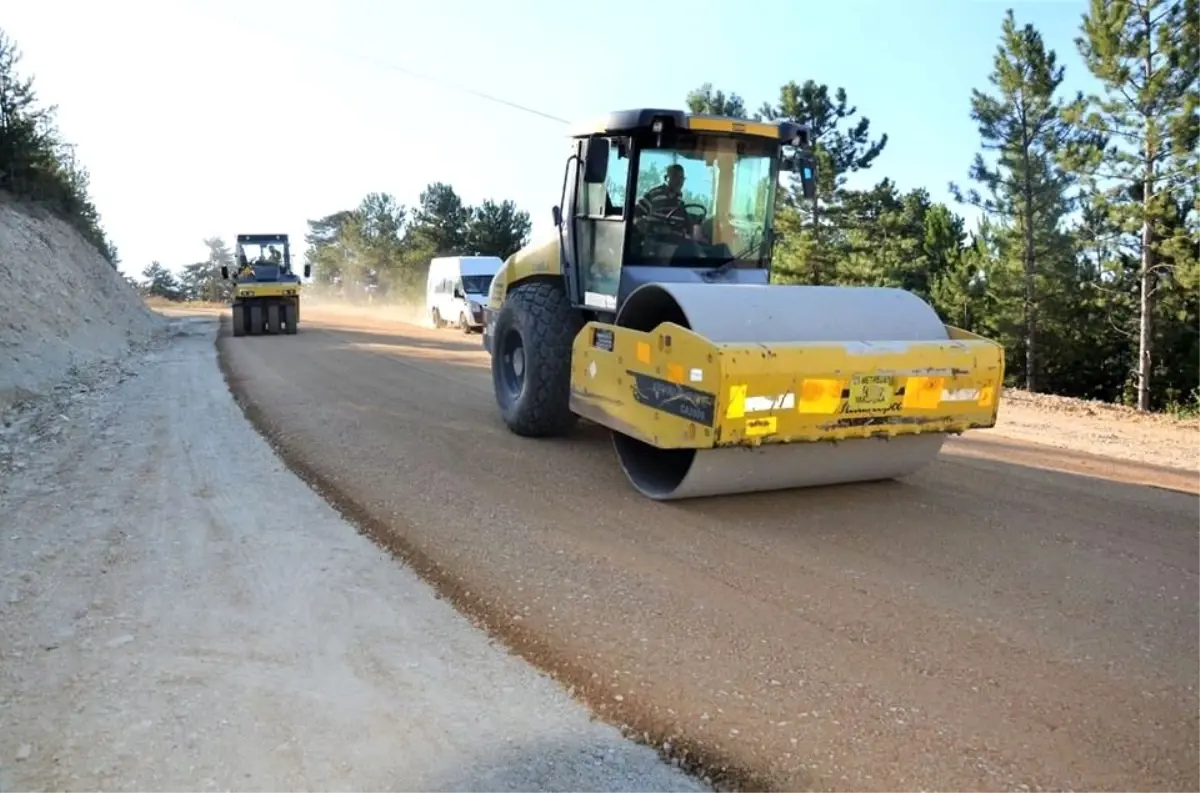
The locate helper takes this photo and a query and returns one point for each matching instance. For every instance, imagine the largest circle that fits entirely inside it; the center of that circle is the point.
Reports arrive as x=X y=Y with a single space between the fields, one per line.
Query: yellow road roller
x=649 y=311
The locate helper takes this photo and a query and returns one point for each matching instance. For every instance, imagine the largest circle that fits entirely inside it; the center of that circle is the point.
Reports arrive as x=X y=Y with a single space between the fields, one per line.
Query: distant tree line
x=36 y=164
x=383 y=247
x=1085 y=263
x=200 y=281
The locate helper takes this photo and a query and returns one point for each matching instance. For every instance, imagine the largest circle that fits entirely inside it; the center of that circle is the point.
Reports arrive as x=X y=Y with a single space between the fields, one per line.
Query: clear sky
x=219 y=117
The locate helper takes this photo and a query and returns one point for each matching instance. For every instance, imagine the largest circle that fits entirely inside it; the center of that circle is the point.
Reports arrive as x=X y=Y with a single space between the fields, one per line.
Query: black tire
x=274 y=318
x=533 y=389
x=463 y=323
x=291 y=316
x=256 y=319
x=437 y=319
x=239 y=320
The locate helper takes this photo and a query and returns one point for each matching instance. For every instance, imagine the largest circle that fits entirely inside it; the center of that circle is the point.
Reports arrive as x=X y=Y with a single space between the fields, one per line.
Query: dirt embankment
x=64 y=311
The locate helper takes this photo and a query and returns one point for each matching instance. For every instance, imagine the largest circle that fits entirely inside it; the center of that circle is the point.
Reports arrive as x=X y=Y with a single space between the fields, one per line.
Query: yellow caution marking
x=763 y=426
x=643 y=352
x=674 y=373
x=923 y=393
x=986 y=395
x=820 y=396
x=737 y=402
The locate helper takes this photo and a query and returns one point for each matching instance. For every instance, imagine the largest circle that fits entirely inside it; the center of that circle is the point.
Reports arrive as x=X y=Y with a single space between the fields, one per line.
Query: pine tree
x=842 y=145
x=1022 y=123
x=1144 y=131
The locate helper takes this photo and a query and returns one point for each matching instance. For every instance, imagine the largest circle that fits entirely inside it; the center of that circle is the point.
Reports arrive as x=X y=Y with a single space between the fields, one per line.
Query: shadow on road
x=566 y=765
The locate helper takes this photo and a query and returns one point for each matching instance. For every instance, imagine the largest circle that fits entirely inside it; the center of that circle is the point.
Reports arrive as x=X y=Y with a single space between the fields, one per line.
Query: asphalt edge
x=638 y=724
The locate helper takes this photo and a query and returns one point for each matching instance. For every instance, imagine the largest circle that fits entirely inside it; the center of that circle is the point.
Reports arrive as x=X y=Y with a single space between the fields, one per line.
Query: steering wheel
x=671 y=216
x=673 y=221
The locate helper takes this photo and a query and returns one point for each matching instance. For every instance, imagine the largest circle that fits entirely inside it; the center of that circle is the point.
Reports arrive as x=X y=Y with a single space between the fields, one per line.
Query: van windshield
x=476 y=284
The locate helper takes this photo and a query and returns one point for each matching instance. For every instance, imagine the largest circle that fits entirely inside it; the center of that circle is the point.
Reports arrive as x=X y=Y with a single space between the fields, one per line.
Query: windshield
x=263 y=253
x=476 y=284
x=702 y=201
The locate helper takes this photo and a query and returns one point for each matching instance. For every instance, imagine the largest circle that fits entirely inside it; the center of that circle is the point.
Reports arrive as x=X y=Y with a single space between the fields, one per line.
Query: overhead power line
x=463 y=88
x=325 y=46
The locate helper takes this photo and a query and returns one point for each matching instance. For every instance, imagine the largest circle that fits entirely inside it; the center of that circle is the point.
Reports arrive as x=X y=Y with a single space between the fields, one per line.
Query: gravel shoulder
x=180 y=611
x=1101 y=429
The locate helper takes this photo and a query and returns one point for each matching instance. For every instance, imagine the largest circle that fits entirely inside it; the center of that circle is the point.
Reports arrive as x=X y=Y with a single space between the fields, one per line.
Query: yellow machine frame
x=674 y=389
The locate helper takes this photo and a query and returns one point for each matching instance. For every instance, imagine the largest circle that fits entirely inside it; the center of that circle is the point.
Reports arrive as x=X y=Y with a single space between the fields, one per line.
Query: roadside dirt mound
x=1099 y=428
x=63 y=309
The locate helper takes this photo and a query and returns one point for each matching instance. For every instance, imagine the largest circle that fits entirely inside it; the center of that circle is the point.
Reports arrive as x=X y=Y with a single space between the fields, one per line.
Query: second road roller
x=649 y=310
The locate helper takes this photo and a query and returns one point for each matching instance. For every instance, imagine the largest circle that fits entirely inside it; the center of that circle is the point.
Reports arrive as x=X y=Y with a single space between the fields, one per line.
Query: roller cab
x=649 y=311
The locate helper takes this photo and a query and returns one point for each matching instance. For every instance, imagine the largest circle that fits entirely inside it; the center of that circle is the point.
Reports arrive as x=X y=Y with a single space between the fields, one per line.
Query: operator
x=275 y=257
x=661 y=200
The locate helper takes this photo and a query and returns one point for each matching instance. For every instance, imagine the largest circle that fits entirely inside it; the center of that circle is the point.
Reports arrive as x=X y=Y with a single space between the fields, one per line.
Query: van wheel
x=463 y=324
x=436 y=318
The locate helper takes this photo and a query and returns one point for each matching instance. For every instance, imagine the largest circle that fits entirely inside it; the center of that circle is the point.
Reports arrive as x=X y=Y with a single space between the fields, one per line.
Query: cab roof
x=625 y=122
x=251 y=239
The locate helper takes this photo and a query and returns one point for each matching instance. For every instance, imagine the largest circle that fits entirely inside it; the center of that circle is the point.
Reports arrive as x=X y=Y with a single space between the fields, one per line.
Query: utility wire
x=413 y=73
x=463 y=88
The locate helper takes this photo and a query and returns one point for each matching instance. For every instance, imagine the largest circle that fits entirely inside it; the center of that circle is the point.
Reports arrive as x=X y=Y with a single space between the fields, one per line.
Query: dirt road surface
x=1014 y=617
x=180 y=612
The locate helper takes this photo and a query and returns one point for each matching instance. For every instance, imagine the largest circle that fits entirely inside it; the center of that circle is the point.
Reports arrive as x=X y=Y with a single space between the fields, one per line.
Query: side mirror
x=308 y=271
x=806 y=167
x=595 y=164
x=557 y=214
x=224 y=272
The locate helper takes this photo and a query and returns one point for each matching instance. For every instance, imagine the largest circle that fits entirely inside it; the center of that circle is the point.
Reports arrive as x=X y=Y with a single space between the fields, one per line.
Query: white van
x=457 y=288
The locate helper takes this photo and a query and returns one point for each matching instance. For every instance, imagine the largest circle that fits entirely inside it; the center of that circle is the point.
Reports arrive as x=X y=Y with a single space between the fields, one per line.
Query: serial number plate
x=871 y=392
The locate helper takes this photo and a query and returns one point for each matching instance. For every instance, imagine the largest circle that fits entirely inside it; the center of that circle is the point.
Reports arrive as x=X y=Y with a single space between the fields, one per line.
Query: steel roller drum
x=741 y=313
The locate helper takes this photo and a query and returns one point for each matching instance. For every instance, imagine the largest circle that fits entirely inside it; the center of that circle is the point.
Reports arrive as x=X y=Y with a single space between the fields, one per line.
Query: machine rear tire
x=239 y=320
x=256 y=319
x=531 y=363
x=291 y=317
x=274 y=318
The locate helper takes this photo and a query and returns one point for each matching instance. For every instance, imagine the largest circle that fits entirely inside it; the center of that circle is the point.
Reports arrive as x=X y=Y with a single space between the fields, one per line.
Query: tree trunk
x=1031 y=380
x=1145 y=341
x=1146 y=276
x=1031 y=349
